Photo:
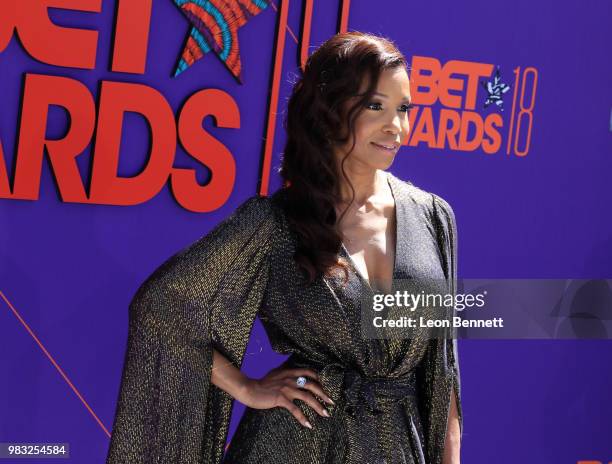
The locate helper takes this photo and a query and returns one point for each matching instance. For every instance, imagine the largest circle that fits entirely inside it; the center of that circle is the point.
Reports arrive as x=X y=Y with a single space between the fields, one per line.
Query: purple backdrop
x=70 y=270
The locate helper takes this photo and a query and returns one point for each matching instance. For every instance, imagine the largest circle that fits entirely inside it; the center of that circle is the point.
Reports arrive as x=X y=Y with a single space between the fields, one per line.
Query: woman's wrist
x=229 y=378
x=243 y=391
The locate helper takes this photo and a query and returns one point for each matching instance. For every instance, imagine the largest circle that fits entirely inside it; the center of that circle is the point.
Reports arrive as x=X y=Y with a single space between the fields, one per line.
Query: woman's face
x=382 y=127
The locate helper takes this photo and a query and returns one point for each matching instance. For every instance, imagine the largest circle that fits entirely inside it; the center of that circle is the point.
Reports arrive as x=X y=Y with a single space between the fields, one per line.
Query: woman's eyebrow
x=405 y=99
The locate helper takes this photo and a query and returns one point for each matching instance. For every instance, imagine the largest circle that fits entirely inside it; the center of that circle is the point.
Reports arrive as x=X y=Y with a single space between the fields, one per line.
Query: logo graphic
x=215 y=27
x=495 y=90
x=446 y=116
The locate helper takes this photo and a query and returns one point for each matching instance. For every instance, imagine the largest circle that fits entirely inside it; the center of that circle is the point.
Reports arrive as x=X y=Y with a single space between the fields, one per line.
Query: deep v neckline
x=349 y=258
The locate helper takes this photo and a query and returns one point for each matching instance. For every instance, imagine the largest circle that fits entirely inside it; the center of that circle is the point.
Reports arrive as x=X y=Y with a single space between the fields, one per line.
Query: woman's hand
x=278 y=389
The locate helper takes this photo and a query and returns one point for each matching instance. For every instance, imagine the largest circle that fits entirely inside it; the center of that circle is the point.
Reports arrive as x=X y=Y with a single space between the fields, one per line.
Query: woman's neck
x=366 y=184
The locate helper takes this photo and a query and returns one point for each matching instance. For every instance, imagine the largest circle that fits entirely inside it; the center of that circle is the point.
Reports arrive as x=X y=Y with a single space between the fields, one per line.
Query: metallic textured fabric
x=392 y=396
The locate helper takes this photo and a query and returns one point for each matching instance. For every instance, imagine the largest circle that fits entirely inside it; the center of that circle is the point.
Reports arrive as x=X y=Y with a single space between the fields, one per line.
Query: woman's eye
x=378 y=106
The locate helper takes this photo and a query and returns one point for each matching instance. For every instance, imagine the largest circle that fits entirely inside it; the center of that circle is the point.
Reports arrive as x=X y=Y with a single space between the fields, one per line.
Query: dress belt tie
x=361 y=393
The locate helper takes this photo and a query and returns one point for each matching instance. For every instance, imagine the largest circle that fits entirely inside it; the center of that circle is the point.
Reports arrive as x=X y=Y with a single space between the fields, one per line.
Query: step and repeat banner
x=130 y=128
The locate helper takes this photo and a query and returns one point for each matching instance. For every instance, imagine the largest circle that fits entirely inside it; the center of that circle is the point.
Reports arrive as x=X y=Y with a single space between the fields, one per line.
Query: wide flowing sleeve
x=439 y=371
x=205 y=297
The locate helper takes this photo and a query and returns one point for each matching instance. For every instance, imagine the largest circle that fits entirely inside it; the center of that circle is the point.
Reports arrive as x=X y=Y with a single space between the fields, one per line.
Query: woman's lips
x=381 y=147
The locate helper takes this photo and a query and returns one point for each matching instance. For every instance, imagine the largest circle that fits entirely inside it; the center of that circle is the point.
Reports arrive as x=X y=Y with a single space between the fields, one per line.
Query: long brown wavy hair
x=317 y=120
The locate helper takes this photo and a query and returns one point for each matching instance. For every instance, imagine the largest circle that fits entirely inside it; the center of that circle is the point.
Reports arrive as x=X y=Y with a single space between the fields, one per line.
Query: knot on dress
x=362 y=393
x=359 y=393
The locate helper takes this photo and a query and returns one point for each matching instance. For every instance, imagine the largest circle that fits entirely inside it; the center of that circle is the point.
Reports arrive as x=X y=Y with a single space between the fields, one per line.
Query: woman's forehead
x=391 y=83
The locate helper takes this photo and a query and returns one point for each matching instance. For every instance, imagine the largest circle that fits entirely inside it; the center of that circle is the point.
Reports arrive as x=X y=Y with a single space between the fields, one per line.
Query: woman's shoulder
x=253 y=220
x=430 y=203
x=255 y=209
x=244 y=235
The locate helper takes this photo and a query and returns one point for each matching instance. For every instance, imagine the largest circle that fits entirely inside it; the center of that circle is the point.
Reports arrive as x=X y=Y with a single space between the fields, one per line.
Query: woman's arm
x=277 y=388
x=452 y=442
x=205 y=296
x=228 y=377
x=448 y=231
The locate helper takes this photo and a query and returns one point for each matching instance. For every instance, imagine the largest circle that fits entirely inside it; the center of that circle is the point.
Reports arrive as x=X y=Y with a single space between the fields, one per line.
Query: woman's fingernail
x=330 y=401
x=308 y=424
x=325 y=413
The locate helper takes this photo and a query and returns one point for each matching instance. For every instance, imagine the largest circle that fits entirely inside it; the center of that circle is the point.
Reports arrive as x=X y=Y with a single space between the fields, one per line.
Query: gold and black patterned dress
x=391 y=399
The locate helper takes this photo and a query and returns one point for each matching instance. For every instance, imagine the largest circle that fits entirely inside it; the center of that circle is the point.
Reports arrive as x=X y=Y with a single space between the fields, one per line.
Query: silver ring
x=301 y=381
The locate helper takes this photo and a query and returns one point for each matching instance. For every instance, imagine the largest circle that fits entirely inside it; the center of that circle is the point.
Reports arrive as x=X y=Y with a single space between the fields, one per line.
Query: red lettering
x=492 y=145
x=468 y=117
x=40 y=92
x=424 y=130
x=446 y=83
x=465 y=131
x=8 y=13
x=446 y=132
x=429 y=74
x=131 y=36
x=207 y=150
x=117 y=98
x=412 y=115
x=474 y=71
x=428 y=81
x=45 y=41
x=107 y=187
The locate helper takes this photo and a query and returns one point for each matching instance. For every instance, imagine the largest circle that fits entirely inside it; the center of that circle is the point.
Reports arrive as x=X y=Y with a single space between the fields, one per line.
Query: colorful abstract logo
x=215 y=25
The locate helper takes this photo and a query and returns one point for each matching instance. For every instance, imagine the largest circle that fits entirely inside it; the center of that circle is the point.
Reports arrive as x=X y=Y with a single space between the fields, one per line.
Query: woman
x=300 y=260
